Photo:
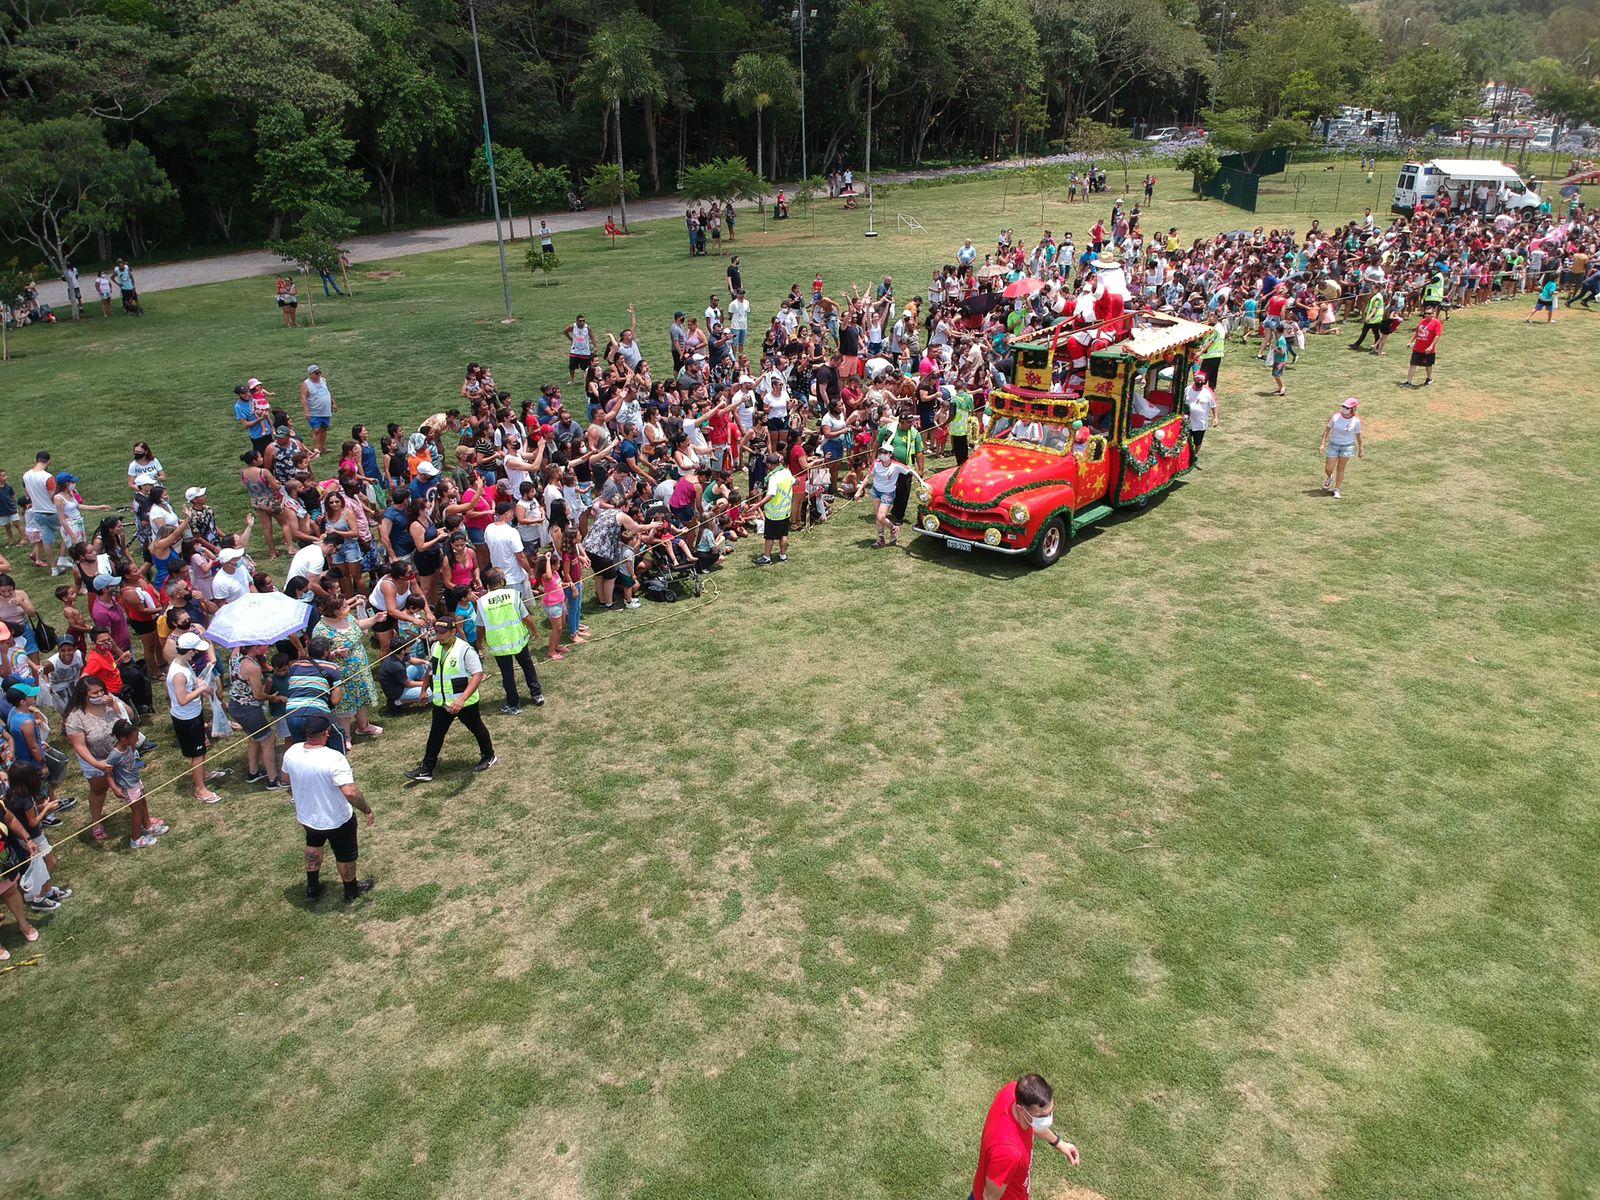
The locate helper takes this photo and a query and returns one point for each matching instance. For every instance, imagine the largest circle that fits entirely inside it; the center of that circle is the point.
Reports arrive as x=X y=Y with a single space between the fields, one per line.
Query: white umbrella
x=258 y=619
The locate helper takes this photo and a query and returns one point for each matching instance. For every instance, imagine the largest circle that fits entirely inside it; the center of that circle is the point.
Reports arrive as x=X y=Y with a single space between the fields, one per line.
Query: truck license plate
x=958 y=544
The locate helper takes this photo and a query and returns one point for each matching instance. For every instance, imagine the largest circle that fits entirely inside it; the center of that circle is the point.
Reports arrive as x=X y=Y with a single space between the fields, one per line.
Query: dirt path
x=373 y=247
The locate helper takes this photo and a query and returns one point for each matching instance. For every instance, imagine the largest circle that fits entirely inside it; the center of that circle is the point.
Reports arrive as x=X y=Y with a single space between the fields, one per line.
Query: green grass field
x=1262 y=824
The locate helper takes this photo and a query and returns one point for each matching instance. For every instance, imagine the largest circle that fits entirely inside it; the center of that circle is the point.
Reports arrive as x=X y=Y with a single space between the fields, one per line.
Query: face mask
x=1043 y=1123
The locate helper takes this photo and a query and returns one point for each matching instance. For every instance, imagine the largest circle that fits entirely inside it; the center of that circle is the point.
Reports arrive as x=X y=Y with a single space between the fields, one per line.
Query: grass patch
x=1260 y=824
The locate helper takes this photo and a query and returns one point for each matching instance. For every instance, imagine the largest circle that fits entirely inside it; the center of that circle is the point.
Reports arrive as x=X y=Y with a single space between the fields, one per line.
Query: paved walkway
x=373 y=247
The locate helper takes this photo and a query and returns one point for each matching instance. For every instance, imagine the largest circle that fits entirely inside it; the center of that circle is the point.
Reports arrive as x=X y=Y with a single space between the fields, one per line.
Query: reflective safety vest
x=1434 y=292
x=503 y=629
x=450 y=678
x=779 y=504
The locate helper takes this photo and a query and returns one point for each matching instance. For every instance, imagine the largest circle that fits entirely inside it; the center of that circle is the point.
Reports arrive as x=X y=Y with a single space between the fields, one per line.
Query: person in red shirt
x=1425 y=346
x=1021 y=1112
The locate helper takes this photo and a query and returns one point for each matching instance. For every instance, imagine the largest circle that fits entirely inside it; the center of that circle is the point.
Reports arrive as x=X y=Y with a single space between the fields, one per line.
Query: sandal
x=5 y=955
x=209 y=798
x=98 y=833
x=30 y=934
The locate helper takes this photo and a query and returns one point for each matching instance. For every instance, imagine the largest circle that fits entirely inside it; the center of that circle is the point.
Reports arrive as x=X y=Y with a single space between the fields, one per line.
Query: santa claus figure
x=1111 y=296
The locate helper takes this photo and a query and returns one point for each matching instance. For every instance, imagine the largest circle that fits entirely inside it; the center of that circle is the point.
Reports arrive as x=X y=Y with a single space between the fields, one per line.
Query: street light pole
x=1221 y=33
x=488 y=154
x=805 y=171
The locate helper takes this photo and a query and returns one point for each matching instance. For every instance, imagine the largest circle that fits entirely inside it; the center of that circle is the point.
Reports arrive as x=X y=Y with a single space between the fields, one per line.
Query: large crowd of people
x=495 y=526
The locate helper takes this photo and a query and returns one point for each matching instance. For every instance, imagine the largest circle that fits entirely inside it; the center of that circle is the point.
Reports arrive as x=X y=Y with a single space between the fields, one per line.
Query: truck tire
x=1052 y=543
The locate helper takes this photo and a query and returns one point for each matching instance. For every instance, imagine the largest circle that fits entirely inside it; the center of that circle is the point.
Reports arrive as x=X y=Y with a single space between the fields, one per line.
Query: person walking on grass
x=453 y=683
x=1372 y=321
x=326 y=800
x=505 y=629
x=1546 y=303
x=1341 y=441
x=1278 y=359
x=1020 y=1114
x=1425 y=346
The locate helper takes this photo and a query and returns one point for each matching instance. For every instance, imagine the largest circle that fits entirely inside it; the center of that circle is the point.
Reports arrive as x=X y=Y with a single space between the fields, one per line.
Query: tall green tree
x=1302 y=64
x=757 y=82
x=869 y=41
x=90 y=63
x=300 y=163
x=513 y=175
x=59 y=185
x=1424 y=86
x=1564 y=94
x=298 y=52
x=619 y=71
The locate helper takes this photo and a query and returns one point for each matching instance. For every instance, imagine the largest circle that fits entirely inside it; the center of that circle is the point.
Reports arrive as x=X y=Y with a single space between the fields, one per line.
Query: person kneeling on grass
x=325 y=800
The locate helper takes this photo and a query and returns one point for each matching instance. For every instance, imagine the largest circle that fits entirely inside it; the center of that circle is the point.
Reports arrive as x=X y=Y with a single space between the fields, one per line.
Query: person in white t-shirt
x=326 y=799
x=1201 y=402
x=230 y=581
x=311 y=562
x=506 y=553
x=739 y=318
x=43 y=526
x=186 y=692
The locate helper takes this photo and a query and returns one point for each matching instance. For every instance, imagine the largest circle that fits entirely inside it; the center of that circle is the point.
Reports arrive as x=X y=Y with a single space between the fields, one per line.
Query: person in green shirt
x=1372 y=320
x=960 y=420
x=1212 y=350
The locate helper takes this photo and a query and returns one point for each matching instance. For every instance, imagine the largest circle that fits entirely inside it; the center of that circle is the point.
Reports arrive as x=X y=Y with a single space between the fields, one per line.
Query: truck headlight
x=930 y=523
x=925 y=495
x=991 y=536
x=1019 y=514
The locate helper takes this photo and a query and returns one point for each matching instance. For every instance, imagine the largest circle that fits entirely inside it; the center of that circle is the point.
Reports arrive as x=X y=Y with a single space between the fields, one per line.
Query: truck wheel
x=1052 y=543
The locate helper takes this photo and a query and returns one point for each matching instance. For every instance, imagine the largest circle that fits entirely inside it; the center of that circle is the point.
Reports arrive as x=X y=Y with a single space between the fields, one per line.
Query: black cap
x=315 y=724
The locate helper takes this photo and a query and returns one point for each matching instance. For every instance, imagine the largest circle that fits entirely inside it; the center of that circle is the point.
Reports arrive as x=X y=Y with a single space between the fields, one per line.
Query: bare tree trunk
x=650 y=141
x=276 y=230
x=311 y=308
x=622 y=178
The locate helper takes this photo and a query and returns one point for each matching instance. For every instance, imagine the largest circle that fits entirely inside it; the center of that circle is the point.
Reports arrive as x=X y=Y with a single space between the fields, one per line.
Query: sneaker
x=634 y=603
x=362 y=888
x=314 y=891
x=1336 y=495
x=1327 y=483
x=157 y=827
x=485 y=763
x=43 y=904
x=538 y=701
x=783 y=558
x=510 y=710
x=67 y=803
x=142 y=842
x=59 y=894
x=764 y=561
x=255 y=776
x=277 y=785
x=52 y=820
x=420 y=775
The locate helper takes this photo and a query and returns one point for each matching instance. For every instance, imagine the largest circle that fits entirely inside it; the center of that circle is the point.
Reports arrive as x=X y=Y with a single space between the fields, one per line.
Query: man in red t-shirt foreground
x=1425 y=345
x=1021 y=1112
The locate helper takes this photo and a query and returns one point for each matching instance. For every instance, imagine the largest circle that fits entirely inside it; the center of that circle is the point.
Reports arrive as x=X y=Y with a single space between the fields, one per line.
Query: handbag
x=45 y=635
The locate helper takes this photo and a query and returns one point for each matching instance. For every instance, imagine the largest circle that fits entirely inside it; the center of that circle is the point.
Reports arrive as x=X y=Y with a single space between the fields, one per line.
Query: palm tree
x=619 y=70
x=866 y=34
x=757 y=82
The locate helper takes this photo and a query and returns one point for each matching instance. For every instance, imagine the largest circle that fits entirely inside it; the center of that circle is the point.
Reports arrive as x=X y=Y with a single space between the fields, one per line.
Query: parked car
x=1165 y=134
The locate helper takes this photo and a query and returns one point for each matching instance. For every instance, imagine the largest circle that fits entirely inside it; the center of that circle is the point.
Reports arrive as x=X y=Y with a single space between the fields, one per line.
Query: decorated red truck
x=1058 y=455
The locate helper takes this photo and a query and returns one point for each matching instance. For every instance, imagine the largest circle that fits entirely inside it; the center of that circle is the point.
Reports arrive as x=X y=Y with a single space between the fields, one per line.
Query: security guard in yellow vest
x=776 y=508
x=504 y=625
x=455 y=673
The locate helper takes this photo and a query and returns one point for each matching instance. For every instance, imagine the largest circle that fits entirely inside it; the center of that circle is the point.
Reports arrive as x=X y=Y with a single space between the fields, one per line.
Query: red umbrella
x=1022 y=287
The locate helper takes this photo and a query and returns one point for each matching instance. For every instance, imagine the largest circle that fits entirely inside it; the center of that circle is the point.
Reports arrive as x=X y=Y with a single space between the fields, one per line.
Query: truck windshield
x=1042 y=435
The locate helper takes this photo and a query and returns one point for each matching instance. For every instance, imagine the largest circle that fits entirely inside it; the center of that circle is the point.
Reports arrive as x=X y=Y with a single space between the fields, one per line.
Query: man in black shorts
x=325 y=799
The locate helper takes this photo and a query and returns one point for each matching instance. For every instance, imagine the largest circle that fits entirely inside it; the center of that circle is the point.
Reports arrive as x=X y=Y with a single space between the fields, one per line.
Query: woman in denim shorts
x=1341 y=441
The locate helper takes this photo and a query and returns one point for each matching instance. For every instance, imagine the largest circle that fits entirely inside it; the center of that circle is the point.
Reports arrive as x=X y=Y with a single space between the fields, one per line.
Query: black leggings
x=1376 y=330
x=443 y=718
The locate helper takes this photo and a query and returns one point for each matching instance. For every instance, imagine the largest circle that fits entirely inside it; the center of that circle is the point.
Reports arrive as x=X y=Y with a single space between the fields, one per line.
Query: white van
x=1422 y=182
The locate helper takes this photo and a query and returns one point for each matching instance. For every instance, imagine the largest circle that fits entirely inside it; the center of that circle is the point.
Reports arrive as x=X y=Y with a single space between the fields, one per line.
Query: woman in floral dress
x=348 y=635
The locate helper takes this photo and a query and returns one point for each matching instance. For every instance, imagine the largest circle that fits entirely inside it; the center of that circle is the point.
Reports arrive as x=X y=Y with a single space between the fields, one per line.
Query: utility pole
x=488 y=154
x=1222 y=32
x=800 y=15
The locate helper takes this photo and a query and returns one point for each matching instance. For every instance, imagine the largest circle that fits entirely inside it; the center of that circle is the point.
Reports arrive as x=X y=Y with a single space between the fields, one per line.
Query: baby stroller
x=661 y=579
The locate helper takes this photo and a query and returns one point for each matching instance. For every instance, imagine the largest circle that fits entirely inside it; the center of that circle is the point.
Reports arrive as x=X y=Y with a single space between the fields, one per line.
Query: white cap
x=145 y=481
x=427 y=468
x=192 y=493
x=251 y=382
x=231 y=555
x=191 y=641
